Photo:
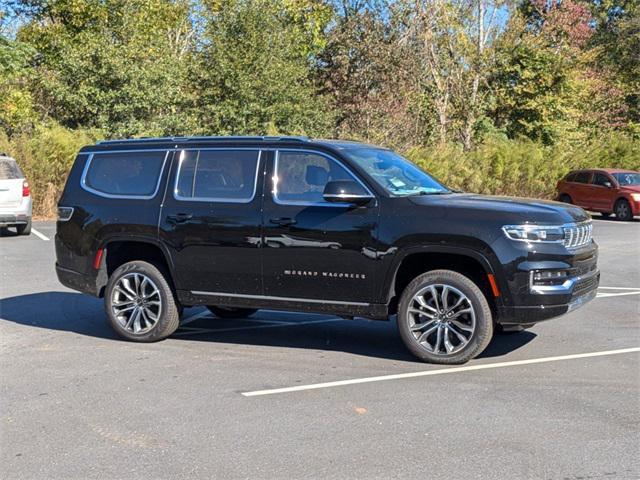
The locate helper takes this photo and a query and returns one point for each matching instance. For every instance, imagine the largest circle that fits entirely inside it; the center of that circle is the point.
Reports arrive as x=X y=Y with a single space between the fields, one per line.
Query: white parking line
x=618 y=288
x=39 y=235
x=443 y=371
x=605 y=295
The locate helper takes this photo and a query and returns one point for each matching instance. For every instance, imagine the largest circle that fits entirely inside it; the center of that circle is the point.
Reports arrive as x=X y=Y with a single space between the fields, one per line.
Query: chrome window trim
x=274 y=179
x=268 y=297
x=99 y=193
x=180 y=198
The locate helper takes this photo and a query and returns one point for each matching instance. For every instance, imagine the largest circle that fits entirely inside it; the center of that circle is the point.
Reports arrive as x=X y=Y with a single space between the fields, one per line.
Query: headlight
x=534 y=233
x=636 y=196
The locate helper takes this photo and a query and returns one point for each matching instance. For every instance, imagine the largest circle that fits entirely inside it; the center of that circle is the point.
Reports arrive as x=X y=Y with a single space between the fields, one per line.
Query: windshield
x=627 y=178
x=394 y=173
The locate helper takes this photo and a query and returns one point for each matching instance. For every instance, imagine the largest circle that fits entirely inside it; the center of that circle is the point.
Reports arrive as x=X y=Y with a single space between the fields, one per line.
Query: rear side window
x=9 y=169
x=570 y=177
x=125 y=174
x=217 y=175
x=581 y=177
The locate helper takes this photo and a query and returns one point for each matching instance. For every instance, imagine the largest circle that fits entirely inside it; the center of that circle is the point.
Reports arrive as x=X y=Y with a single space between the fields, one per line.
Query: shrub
x=522 y=167
x=45 y=156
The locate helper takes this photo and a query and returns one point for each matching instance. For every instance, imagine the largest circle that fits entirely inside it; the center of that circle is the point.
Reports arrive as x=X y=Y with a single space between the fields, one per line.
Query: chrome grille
x=577 y=235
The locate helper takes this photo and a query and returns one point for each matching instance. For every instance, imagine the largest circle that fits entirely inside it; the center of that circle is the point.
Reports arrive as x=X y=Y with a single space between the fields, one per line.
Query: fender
x=104 y=243
x=388 y=282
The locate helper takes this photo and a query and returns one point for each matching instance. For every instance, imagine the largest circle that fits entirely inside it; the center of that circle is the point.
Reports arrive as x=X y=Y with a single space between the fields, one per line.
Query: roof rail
x=203 y=139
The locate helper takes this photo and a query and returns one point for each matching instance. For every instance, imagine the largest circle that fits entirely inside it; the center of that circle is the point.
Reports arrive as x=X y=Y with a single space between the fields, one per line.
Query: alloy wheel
x=136 y=303
x=441 y=319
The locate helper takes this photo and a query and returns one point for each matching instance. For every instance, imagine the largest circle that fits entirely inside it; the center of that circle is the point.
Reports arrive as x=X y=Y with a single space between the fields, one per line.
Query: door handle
x=179 y=217
x=284 y=221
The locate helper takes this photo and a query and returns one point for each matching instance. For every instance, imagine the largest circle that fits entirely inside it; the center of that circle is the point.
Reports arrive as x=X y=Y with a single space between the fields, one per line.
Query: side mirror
x=346 y=191
x=607 y=184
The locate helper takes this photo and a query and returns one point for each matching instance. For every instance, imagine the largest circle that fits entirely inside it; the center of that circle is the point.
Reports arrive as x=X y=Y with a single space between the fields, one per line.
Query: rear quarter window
x=126 y=174
x=9 y=169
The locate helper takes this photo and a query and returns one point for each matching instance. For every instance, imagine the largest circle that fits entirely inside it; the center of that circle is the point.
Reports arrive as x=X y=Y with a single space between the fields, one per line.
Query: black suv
x=288 y=223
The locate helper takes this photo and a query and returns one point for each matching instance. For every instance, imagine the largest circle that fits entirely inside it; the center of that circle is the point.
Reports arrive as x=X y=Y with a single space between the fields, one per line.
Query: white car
x=15 y=197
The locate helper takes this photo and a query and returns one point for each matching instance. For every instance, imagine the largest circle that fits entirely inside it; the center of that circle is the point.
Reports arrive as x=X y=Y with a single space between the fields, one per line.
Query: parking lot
x=284 y=395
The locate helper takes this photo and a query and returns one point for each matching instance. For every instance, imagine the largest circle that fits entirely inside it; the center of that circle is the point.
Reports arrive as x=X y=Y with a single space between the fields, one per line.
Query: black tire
x=623 y=210
x=564 y=198
x=477 y=340
x=24 y=229
x=169 y=315
x=228 y=312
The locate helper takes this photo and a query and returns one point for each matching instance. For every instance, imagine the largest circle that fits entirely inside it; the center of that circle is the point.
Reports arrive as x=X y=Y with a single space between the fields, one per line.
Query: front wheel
x=443 y=317
x=623 y=210
x=140 y=303
x=228 y=312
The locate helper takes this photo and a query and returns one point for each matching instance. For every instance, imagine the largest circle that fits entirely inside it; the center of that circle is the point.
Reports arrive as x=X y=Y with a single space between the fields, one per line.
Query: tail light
x=26 y=191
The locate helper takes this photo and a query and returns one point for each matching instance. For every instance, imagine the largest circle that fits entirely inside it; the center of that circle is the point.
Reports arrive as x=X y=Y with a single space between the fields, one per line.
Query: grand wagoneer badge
x=313 y=273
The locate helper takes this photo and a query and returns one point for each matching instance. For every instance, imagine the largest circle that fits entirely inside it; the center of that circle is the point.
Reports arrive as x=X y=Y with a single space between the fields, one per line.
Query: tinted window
x=570 y=177
x=600 y=179
x=9 y=169
x=581 y=177
x=302 y=176
x=128 y=174
x=223 y=175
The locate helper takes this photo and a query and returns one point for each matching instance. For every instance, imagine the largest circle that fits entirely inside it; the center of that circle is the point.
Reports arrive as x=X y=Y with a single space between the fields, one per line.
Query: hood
x=504 y=209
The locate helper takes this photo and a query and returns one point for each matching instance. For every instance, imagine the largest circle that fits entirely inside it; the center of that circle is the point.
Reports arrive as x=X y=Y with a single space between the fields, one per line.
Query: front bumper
x=530 y=303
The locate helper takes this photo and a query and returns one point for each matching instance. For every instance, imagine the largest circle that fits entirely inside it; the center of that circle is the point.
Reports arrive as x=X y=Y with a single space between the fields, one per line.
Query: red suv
x=603 y=190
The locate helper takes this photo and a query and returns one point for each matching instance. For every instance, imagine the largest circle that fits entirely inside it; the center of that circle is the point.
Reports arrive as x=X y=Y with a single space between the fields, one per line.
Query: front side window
x=600 y=179
x=130 y=174
x=398 y=176
x=302 y=176
x=217 y=175
x=627 y=178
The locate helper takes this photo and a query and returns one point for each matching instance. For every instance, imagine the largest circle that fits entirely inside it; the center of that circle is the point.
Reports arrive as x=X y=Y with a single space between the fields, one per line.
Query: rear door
x=11 y=181
x=211 y=221
x=580 y=189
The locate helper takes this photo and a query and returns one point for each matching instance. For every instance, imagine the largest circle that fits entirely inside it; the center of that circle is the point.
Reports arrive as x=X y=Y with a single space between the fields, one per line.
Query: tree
x=253 y=71
x=112 y=64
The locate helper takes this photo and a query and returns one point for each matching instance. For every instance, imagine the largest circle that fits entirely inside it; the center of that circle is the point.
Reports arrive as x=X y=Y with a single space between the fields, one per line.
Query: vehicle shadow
x=84 y=315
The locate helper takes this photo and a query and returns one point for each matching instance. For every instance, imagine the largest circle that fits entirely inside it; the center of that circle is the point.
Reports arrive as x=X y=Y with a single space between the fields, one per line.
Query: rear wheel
x=443 y=317
x=140 y=303
x=24 y=229
x=623 y=210
x=229 y=312
x=564 y=198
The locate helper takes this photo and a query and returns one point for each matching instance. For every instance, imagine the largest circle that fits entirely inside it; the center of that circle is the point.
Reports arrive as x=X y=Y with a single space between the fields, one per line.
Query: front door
x=211 y=220
x=315 y=250
x=603 y=192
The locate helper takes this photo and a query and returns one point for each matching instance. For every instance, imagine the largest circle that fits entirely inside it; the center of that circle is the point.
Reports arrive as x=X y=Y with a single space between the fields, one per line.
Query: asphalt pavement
x=287 y=395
